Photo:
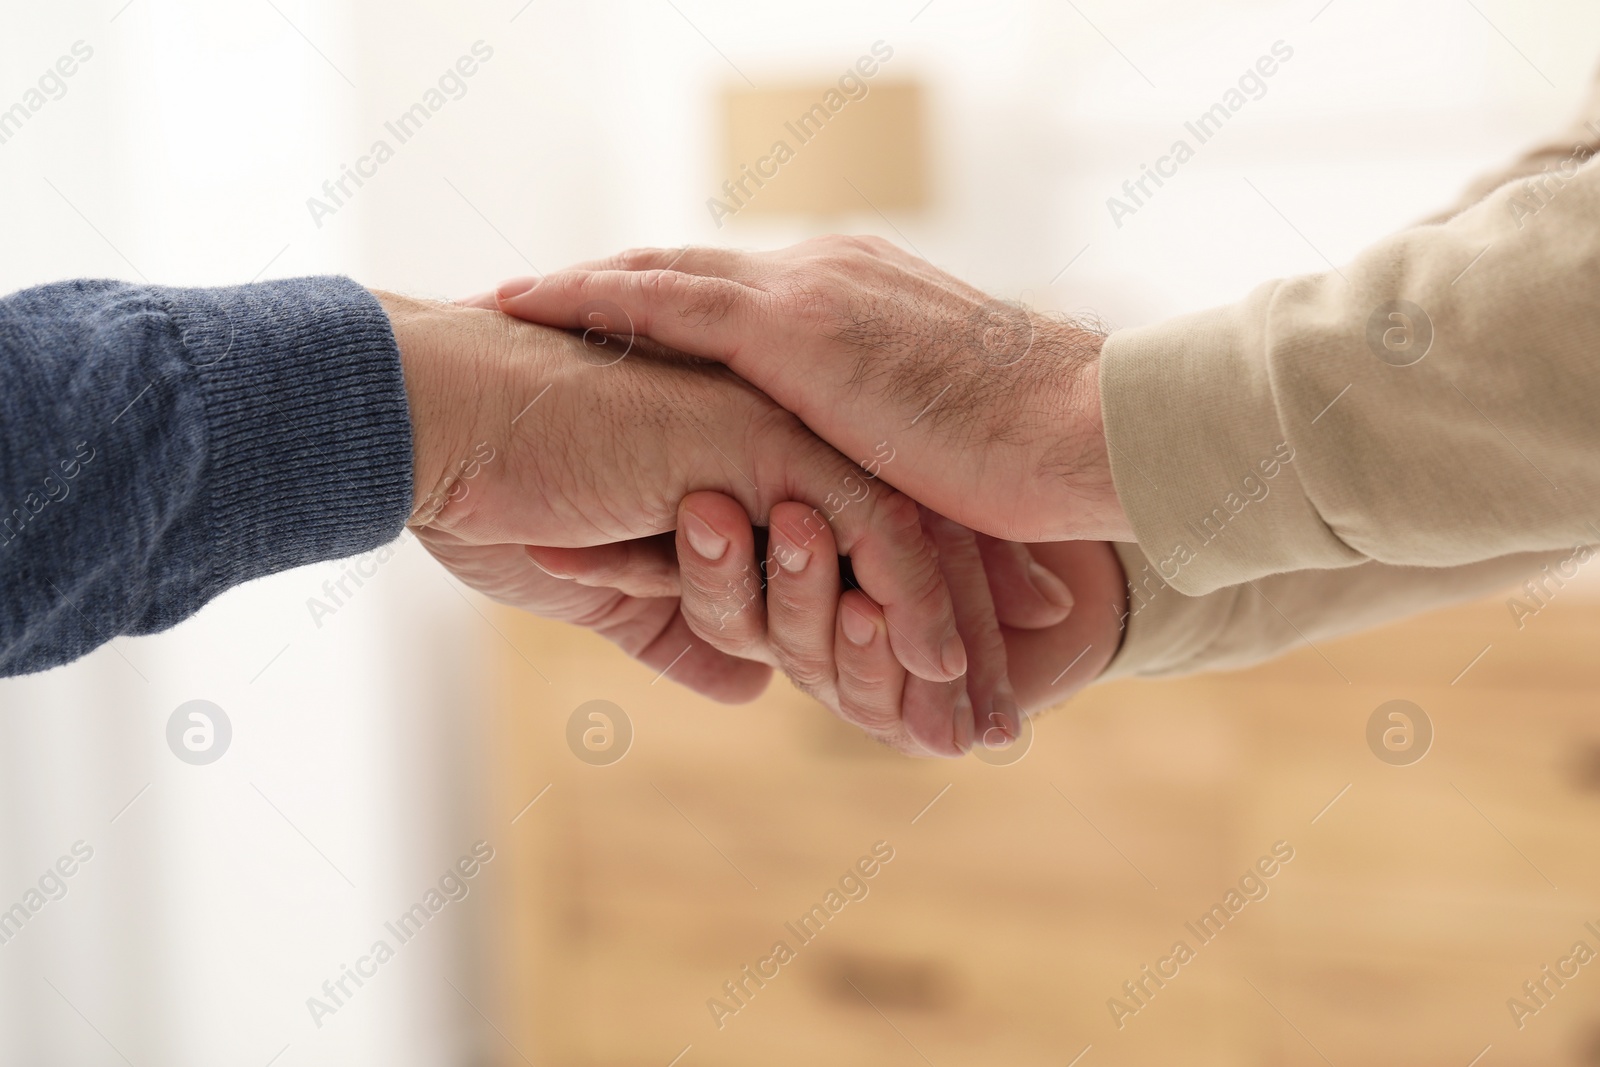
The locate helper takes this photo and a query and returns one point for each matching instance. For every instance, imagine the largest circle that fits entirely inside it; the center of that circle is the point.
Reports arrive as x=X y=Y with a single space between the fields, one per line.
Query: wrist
x=427 y=333
x=1086 y=505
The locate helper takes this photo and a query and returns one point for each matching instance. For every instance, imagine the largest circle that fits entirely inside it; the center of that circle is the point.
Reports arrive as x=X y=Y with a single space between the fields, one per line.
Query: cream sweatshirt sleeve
x=1169 y=634
x=1433 y=404
x=1465 y=466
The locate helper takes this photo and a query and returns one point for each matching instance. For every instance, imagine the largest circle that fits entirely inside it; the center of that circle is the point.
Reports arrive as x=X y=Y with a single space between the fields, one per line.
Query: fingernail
x=857 y=627
x=954 y=656
x=964 y=725
x=1049 y=586
x=547 y=570
x=1005 y=717
x=703 y=539
x=516 y=287
x=791 y=559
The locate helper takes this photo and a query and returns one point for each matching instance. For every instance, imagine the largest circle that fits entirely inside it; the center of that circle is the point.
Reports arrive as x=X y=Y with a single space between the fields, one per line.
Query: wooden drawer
x=1019 y=899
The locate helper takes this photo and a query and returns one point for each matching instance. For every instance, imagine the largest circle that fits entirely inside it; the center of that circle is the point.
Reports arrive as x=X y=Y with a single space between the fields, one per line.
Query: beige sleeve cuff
x=1204 y=471
x=1165 y=631
x=1169 y=633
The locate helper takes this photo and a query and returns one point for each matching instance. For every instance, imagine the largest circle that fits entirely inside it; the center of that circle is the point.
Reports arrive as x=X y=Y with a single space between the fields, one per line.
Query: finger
x=705 y=316
x=893 y=559
x=937 y=716
x=997 y=718
x=721 y=588
x=613 y=336
x=870 y=681
x=880 y=529
x=802 y=600
x=1053 y=664
x=1026 y=595
x=690 y=259
x=645 y=567
x=685 y=657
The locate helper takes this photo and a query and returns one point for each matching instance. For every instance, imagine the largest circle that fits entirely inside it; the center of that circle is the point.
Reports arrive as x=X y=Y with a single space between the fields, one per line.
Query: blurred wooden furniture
x=1420 y=898
x=810 y=150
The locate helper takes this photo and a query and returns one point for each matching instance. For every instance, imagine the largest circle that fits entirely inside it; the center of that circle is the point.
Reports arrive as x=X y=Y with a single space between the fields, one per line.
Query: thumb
x=1026 y=595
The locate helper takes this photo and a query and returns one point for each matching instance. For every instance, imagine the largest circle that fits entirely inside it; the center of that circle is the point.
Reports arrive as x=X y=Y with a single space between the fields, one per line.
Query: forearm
x=162 y=445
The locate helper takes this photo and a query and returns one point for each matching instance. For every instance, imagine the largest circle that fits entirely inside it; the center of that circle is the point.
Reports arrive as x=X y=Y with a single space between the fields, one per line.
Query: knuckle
x=986 y=650
x=639 y=258
x=786 y=602
x=725 y=628
x=822 y=243
x=899 y=514
x=791 y=609
x=899 y=520
x=584 y=568
x=866 y=702
x=703 y=589
x=708 y=300
x=704 y=260
x=721 y=610
x=808 y=672
x=808 y=295
x=816 y=285
x=871 y=689
x=698 y=300
x=655 y=283
x=871 y=244
x=605 y=617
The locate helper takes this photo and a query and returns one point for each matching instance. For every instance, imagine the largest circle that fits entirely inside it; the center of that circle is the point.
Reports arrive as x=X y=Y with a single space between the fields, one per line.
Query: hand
x=993 y=412
x=723 y=641
x=1048 y=665
x=833 y=645
x=518 y=438
x=785 y=607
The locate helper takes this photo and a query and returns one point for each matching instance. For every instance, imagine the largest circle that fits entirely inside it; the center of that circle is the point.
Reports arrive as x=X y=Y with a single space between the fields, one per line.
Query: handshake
x=681 y=461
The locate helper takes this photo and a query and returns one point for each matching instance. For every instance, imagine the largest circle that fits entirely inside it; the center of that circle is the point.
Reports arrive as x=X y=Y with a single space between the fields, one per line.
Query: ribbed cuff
x=1200 y=460
x=308 y=429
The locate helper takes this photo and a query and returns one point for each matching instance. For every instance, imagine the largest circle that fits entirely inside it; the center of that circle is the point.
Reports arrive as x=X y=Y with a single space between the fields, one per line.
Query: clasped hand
x=625 y=484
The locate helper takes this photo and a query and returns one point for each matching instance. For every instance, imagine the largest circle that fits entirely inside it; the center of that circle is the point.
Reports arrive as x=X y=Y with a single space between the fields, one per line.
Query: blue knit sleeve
x=158 y=446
